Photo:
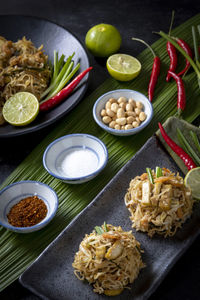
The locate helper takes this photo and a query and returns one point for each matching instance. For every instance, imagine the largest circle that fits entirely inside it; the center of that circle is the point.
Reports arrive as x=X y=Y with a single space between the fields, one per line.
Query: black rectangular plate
x=51 y=275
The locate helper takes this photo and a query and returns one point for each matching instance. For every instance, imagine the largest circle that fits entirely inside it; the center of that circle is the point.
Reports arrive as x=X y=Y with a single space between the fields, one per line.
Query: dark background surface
x=137 y=18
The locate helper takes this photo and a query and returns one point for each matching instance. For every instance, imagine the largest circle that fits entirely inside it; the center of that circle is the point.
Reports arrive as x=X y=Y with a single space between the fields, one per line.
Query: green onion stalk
x=99 y=230
x=158 y=172
x=150 y=175
x=62 y=73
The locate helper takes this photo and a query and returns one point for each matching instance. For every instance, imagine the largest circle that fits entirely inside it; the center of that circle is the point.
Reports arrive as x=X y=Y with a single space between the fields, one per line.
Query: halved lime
x=192 y=180
x=21 y=109
x=123 y=67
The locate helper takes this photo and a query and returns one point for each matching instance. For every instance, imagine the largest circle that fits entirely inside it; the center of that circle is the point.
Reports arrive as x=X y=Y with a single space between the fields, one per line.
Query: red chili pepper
x=189 y=163
x=171 y=50
x=155 y=70
x=181 y=99
x=52 y=102
x=187 y=49
x=154 y=77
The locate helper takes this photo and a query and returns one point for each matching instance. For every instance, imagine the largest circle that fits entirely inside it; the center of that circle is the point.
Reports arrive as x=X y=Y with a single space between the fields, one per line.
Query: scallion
x=99 y=230
x=158 y=172
x=62 y=75
x=61 y=61
x=62 y=72
x=105 y=226
x=149 y=172
x=64 y=81
x=55 y=62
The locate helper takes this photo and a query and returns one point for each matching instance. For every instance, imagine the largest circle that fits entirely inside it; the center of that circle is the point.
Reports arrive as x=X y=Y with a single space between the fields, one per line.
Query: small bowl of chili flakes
x=27 y=206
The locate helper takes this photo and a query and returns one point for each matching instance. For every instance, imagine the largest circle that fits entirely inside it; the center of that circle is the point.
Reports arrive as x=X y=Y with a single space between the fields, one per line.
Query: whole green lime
x=102 y=40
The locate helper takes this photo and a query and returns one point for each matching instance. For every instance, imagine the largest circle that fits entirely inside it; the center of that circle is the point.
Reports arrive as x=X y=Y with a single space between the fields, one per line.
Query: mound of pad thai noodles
x=160 y=207
x=23 y=67
x=109 y=261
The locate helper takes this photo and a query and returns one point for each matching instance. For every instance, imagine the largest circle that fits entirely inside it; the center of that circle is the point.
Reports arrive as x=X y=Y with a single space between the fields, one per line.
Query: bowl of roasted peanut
x=123 y=112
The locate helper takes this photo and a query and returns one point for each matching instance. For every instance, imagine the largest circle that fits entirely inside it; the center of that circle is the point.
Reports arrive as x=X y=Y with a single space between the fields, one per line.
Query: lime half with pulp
x=21 y=109
x=123 y=67
x=192 y=180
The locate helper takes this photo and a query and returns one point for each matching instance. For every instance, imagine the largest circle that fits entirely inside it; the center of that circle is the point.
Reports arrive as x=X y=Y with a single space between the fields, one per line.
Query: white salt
x=79 y=162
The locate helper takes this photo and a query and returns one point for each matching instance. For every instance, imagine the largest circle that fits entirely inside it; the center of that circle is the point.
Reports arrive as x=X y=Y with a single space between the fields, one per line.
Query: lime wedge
x=21 y=109
x=192 y=180
x=123 y=67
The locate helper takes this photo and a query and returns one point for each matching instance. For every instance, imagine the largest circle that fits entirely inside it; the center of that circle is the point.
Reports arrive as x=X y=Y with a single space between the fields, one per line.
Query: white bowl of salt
x=75 y=158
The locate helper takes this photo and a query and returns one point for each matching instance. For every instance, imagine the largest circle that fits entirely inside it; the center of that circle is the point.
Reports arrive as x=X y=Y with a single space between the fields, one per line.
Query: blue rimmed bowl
x=137 y=96
x=17 y=191
x=63 y=147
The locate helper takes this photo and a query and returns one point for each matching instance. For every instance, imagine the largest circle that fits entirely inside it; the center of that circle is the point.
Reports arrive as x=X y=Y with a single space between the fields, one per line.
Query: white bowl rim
x=121 y=132
x=75 y=178
x=43 y=222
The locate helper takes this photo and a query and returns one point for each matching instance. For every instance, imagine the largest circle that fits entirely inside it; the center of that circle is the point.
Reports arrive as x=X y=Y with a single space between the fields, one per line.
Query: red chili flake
x=27 y=212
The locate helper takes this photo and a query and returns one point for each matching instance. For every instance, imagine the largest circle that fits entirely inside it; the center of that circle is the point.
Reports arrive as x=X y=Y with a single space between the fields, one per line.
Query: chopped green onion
x=186 y=146
x=105 y=226
x=149 y=172
x=99 y=230
x=195 y=139
x=158 y=172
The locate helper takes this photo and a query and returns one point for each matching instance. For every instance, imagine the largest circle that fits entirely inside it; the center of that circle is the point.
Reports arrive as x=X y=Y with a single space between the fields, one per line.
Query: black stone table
x=137 y=18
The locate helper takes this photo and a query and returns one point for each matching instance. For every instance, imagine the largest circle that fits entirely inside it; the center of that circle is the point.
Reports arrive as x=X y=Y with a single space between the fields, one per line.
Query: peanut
x=121 y=121
x=106 y=119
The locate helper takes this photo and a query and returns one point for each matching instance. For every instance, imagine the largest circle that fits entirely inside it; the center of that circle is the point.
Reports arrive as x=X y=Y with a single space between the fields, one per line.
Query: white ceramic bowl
x=17 y=191
x=62 y=158
x=100 y=104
